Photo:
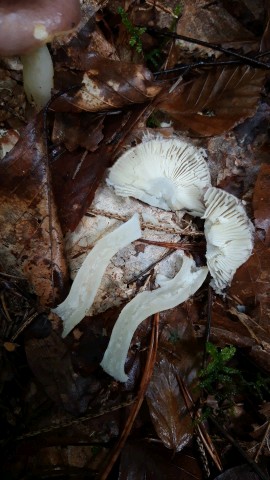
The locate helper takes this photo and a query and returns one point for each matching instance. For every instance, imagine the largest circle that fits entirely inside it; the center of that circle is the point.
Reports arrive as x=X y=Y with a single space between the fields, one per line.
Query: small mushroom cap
x=26 y=25
x=229 y=236
x=165 y=173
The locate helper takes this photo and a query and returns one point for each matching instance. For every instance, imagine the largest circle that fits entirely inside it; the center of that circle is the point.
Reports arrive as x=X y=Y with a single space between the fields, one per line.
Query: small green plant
x=217 y=378
x=153 y=56
x=134 y=32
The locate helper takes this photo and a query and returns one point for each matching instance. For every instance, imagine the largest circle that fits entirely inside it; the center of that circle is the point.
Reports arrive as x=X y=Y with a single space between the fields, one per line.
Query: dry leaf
x=109 y=84
x=31 y=238
x=215 y=101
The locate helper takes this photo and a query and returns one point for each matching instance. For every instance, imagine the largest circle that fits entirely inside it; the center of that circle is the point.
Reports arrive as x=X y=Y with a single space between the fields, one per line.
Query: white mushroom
x=165 y=173
x=229 y=236
x=89 y=276
x=172 y=292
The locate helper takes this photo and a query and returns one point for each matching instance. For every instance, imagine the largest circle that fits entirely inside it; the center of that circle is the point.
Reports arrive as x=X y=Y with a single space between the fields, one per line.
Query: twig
x=249 y=460
x=75 y=421
x=200 y=63
x=137 y=405
x=147 y=270
x=24 y=325
x=144 y=225
x=201 y=430
x=172 y=245
x=248 y=60
x=266 y=434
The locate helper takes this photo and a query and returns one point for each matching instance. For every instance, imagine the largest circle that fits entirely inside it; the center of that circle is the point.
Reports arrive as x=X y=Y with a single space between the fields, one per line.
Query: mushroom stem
x=171 y=293
x=85 y=286
x=38 y=76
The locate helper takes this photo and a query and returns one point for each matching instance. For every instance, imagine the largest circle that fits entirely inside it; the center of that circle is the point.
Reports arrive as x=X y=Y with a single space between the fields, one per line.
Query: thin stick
x=249 y=460
x=266 y=434
x=249 y=60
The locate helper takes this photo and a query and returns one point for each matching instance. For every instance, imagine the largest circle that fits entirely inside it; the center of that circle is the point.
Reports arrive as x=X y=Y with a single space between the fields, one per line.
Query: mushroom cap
x=229 y=235
x=26 y=25
x=165 y=173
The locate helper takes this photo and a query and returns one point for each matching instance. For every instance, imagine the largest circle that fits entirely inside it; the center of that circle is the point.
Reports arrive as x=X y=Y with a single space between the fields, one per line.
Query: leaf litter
x=55 y=205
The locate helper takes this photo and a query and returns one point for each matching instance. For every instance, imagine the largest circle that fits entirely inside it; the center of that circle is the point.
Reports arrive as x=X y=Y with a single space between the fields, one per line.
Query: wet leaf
x=212 y=23
x=109 y=84
x=73 y=130
x=261 y=203
x=177 y=357
x=251 y=281
x=146 y=461
x=169 y=415
x=77 y=175
x=242 y=472
x=215 y=101
x=31 y=238
x=50 y=361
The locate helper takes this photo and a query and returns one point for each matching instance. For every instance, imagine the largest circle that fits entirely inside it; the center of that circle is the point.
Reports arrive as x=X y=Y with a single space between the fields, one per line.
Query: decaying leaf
x=76 y=176
x=78 y=130
x=261 y=203
x=50 y=361
x=252 y=282
x=242 y=472
x=215 y=101
x=178 y=357
x=31 y=238
x=142 y=460
x=110 y=84
x=212 y=23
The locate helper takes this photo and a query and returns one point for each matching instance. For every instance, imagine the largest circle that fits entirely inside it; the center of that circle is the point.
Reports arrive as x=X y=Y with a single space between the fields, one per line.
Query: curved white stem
x=172 y=292
x=89 y=276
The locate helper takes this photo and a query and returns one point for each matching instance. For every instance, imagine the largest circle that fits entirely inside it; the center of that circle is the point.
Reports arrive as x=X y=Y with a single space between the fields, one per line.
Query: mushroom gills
x=165 y=173
x=229 y=235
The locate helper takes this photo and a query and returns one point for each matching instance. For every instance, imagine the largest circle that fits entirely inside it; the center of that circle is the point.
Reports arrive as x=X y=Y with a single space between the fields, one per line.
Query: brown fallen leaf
x=251 y=281
x=178 y=356
x=215 y=101
x=31 y=238
x=50 y=361
x=78 y=130
x=106 y=84
x=142 y=460
x=77 y=175
x=214 y=24
x=242 y=472
x=168 y=412
x=261 y=203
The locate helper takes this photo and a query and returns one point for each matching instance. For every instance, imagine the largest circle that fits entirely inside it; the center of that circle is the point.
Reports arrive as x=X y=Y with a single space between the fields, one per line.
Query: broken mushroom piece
x=25 y=28
x=172 y=292
x=166 y=173
x=86 y=283
x=229 y=236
